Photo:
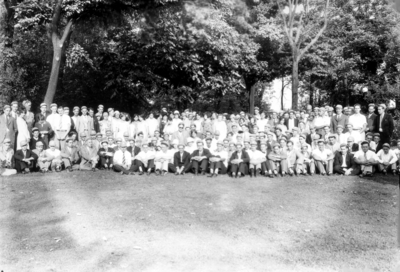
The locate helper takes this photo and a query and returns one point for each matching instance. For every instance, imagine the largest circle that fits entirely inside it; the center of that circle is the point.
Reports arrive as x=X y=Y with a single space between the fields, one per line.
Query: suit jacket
x=371 y=122
x=335 y=122
x=73 y=153
x=245 y=156
x=33 y=141
x=387 y=124
x=338 y=160
x=19 y=155
x=135 y=151
x=37 y=116
x=96 y=124
x=109 y=149
x=185 y=159
x=11 y=125
x=206 y=153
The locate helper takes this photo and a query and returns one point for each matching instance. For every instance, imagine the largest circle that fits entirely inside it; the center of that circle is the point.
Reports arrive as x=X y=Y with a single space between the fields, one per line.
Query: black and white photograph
x=200 y=135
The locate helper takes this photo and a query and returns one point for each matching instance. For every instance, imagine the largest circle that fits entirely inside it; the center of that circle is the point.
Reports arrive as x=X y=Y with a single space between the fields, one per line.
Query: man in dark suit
x=199 y=159
x=106 y=155
x=96 y=122
x=181 y=160
x=8 y=126
x=43 y=112
x=384 y=124
x=292 y=121
x=239 y=162
x=338 y=119
x=24 y=158
x=134 y=150
x=371 y=116
x=343 y=163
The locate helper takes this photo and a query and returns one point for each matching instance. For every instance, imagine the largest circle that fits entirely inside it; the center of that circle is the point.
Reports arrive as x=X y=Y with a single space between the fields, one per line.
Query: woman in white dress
x=133 y=126
x=23 y=132
x=220 y=125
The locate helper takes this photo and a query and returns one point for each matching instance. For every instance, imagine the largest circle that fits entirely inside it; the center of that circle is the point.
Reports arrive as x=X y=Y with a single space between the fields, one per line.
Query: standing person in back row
x=338 y=120
x=359 y=123
x=384 y=125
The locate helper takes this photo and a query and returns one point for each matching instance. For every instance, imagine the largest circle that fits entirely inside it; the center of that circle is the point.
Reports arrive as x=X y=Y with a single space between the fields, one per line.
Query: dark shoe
x=203 y=173
x=361 y=175
x=69 y=169
x=210 y=175
x=183 y=173
x=384 y=172
x=271 y=175
x=176 y=173
x=148 y=173
x=215 y=175
x=251 y=172
x=141 y=173
x=94 y=169
x=157 y=172
x=132 y=173
x=328 y=174
x=196 y=173
x=323 y=174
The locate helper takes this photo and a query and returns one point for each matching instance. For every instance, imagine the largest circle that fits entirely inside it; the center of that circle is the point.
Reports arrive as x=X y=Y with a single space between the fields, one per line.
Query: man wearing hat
x=106 y=155
x=14 y=109
x=181 y=135
x=277 y=161
x=95 y=121
x=75 y=120
x=239 y=162
x=144 y=160
x=378 y=142
x=53 y=156
x=163 y=160
x=369 y=137
x=42 y=164
x=100 y=111
x=199 y=159
x=25 y=159
x=323 y=159
x=8 y=126
x=292 y=121
x=29 y=116
x=351 y=145
x=176 y=121
x=257 y=159
x=7 y=159
x=43 y=112
x=371 y=116
x=122 y=160
x=359 y=123
x=54 y=120
x=366 y=160
x=85 y=121
x=295 y=159
x=384 y=124
x=219 y=161
x=89 y=157
x=338 y=120
x=332 y=144
x=63 y=128
x=70 y=156
x=343 y=163
x=35 y=138
x=387 y=160
x=341 y=137
x=321 y=120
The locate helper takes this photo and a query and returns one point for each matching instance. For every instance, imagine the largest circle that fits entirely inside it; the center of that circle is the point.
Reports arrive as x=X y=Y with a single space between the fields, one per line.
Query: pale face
x=28 y=106
x=60 y=111
x=105 y=116
x=69 y=143
x=290 y=146
x=365 y=148
x=357 y=109
x=321 y=146
x=381 y=110
x=43 y=109
x=90 y=143
x=39 y=147
x=84 y=111
x=54 y=109
x=76 y=112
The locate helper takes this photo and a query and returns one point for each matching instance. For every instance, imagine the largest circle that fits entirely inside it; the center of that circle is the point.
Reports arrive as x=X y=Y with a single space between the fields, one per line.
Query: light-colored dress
x=23 y=132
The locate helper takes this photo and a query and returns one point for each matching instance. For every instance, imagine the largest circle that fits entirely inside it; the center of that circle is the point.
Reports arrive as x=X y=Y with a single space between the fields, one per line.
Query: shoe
x=141 y=173
x=210 y=175
x=165 y=173
x=122 y=173
x=183 y=173
x=241 y=176
x=132 y=173
x=236 y=176
x=148 y=173
x=384 y=172
x=215 y=175
x=196 y=173
x=328 y=174
x=157 y=172
x=101 y=168
x=176 y=173
x=203 y=173
x=94 y=169
x=323 y=174
x=42 y=171
x=271 y=176
x=361 y=175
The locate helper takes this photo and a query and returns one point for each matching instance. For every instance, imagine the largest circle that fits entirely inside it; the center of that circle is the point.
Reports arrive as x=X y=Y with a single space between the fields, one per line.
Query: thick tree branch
x=285 y=26
x=67 y=31
x=56 y=17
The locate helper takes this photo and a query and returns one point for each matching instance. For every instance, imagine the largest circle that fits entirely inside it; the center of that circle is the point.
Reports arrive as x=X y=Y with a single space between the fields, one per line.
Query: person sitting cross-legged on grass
x=53 y=156
x=122 y=160
x=308 y=163
x=145 y=160
x=181 y=160
x=70 y=156
x=366 y=160
x=163 y=160
x=89 y=157
x=42 y=164
x=387 y=159
x=218 y=161
x=239 y=162
x=323 y=159
x=199 y=159
x=257 y=158
x=343 y=162
x=7 y=159
x=106 y=155
x=278 y=160
x=295 y=159
x=24 y=158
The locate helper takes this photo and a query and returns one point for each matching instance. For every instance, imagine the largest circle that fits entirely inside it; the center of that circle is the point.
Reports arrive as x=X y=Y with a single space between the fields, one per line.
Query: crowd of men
x=317 y=140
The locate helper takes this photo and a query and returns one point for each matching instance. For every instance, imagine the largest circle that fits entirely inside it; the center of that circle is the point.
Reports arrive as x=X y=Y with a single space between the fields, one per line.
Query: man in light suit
x=70 y=156
x=181 y=135
x=339 y=119
x=8 y=126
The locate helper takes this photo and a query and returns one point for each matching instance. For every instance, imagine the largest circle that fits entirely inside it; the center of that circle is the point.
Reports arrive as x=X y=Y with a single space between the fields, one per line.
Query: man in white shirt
x=176 y=121
x=256 y=159
x=122 y=160
x=145 y=160
x=54 y=121
x=320 y=121
x=218 y=161
x=341 y=137
x=75 y=119
x=387 y=159
x=262 y=121
x=323 y=159
x=332 y=145
x=359 y=124
x=63 y=128
x=366 y=159
x=53 y=155
x=85 y=122
x=163 y=160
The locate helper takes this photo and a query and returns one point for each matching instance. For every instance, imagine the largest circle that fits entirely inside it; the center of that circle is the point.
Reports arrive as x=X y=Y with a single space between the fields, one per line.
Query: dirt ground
x=102 y=221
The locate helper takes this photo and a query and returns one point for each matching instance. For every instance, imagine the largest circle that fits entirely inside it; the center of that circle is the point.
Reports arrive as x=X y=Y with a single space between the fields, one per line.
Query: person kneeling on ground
x=53 y=156
x=106 y=155
x=70 y=156
x=145 y=160
x=122 y=160
x=24 y=158
x=89 y=156
x=181 y=160
x=6 y=159
x=239 y=162
x=323 y=159
x=218 y=161
x=387 y=159
x=163 y=160
x=278 y=160
x=366 y=159
x=343 y=163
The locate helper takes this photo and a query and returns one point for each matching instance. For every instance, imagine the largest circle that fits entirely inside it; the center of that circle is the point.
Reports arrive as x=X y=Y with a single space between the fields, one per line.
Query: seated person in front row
x=343 y=162
x=366 y=160
x=278 y=161
x=70 y=156
x=122 y=160
x=163 y=160
x=181 y=160
x=200 y=158
x=257 y=160
x=89 y=157
x=106 y=155
x=387 y=159
x=6 y=159
x=53 y=156
x=42 y=163
x=323 y=159
x=295 y=159
x=145 y=160
x=308 y=163
x=239 y=162
x=218 y=161
x=25 y=159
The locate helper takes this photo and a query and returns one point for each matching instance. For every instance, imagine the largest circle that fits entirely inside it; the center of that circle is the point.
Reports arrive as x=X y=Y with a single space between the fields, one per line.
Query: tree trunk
x=311 y=92
x=55 y=71
x=282 y=92
x=295 y=82
x=346 y=89
x=251 y=98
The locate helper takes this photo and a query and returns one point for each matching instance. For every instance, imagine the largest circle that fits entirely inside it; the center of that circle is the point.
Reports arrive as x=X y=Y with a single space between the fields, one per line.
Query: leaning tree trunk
x=295 y=82
x=251 y=99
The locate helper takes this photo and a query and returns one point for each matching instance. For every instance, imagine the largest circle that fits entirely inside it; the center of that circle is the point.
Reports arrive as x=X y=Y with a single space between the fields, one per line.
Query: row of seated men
x=282 y=159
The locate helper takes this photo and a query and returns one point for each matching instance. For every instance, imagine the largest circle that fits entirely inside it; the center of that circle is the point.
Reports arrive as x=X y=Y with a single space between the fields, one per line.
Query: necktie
x=123 y=158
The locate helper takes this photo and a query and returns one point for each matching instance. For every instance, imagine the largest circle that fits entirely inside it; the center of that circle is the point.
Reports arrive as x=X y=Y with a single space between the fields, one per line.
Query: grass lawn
x=85 y=221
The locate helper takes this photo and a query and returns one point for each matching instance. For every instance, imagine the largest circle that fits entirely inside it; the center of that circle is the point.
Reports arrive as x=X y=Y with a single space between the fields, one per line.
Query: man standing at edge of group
x=384 y=125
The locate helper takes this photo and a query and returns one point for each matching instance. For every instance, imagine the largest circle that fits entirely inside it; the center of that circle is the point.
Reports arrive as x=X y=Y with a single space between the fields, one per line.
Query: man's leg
x=234 y=169
x=204 y=165
x=338 y=169
x=195 y=166
x=171 y=168
x=66 y=162
x=243 y=168
x=329 y=166
x=119 y=168
x=284 y=166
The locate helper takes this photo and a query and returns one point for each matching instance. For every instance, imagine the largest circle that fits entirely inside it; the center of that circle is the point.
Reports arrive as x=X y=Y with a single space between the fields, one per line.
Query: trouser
x=55 y=163
x=255 y=165
x=385 y=138
x=218 y=165
x=342 y=170
x=239 y=168
x=88 y=164
x=309 y=167
x=21 y=165
x=324 y=167
x=186 y=167
x=265 y=167
x=140 y=165
x=280 y=166
x=68 y=163
x=106 y=161
x=387 y=167
x=43 y=165
x=202 y=165
x=165 y=166
x=367 y=168
x=120 y=168
x=296 y=168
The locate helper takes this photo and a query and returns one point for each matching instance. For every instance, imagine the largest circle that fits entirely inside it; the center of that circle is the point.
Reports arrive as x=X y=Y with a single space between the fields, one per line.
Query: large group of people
x=320 y=140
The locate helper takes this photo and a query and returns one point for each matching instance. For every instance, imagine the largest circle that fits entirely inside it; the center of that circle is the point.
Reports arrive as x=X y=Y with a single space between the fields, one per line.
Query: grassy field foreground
x=106 y=222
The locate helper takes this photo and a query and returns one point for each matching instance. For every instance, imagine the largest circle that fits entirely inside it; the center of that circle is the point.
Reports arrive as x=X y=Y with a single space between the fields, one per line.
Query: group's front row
x=258 y=159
